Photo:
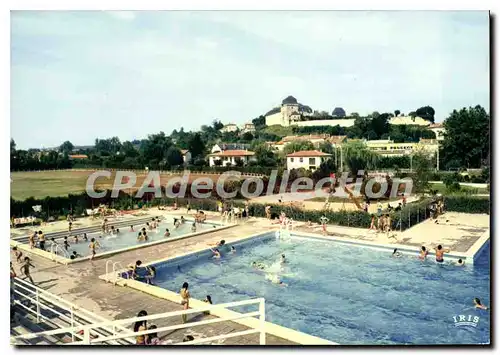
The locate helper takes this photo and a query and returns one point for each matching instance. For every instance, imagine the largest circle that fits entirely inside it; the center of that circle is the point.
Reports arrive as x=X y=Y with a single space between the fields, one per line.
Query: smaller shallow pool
x=127 y=238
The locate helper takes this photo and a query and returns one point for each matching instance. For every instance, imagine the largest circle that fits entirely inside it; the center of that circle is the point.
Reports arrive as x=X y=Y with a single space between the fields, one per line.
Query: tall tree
x=397 y=113
x=467 y=138
x=426 y=112
x=66 y=147
x=173 y=156
x=196 y=146
x=297 y=146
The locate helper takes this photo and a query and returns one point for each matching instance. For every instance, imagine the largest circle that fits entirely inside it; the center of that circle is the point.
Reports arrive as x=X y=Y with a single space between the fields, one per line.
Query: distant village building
x=288 y=113
x=306 y=159
x=408 y=120
x=230 y=157
x=78 y=157
x=219 y=147
x=439 y=130
x=247 y=128
x=387 y=147
x=231 y=127
x=186 y=156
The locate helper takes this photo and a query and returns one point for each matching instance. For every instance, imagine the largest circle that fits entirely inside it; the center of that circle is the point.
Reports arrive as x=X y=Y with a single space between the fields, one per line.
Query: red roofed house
x=78 y=157
x=229 y=157
x=307 y=159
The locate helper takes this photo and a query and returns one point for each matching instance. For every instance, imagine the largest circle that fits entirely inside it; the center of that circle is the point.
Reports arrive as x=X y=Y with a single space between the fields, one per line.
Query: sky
x=82 y=75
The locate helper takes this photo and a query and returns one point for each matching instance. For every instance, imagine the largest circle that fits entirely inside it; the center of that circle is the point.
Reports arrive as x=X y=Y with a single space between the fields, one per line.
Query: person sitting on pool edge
x=440 y=253
x=396 y=253
x=133 y=269
x=477 y=304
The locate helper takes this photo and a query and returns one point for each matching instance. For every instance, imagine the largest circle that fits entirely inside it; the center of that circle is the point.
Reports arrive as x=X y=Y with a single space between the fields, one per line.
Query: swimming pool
x=344 y=293
x=127 y=239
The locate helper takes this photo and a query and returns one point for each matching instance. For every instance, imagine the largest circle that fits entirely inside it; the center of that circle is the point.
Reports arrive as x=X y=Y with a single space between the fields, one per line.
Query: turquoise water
x=343 y=293
x=126 y=238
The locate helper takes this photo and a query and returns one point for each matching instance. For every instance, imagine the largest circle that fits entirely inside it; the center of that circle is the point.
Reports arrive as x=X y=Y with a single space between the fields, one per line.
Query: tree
x=338 y=112
x=422 y=167
x=264 y=156
x=397 y=113
x=375 y=114
x=354 y=114
x=358 y=157
x=326 y=147
x=239 y=162
x=217 y=124
x=196 y=146
x=326 y=168
x=467 y=137
x=217 y=162
x=173 y=156
x=247 y=137
x=66 y=147
x=426 y=112
x=412 y=114
x=297 y=146
x=380 y=124
x=259 y=122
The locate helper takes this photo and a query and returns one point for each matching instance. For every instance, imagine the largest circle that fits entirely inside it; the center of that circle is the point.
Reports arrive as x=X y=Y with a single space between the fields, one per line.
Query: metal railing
x=114 y=275
x=67 y=312
x=87 y=330
x=55 y=247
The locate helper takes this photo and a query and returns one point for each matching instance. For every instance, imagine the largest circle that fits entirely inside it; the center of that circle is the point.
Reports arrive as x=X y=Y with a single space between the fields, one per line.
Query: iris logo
x=466 y=321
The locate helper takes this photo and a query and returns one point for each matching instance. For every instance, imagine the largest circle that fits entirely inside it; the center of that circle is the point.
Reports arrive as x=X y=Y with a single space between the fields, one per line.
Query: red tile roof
x=78 y=156
x=308 y=153
x=436 y=125
x=232 y=153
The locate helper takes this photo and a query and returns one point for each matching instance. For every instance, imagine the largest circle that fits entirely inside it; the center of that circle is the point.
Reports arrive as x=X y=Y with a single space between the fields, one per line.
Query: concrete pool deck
x=80 y=284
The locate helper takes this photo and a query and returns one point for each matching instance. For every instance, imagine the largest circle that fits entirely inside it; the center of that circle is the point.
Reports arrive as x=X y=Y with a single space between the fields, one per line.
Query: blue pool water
x=126 y=238
x=344 y=293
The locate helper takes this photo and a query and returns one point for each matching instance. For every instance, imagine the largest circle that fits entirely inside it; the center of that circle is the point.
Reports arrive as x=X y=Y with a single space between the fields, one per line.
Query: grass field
x=61 y=183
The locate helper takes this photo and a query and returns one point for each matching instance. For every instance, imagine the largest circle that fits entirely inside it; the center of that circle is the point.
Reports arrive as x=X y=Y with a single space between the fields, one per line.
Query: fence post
x=409 y=217
x=72 y=325
x=86 y=335
x=37 y=307
x=262 y=323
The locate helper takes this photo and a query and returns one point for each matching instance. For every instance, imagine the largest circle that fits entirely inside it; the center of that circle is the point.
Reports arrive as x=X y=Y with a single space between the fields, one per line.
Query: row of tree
x=466 y=143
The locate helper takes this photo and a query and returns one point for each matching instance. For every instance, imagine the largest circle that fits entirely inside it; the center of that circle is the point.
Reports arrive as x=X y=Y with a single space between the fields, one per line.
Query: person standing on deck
x=185 y=299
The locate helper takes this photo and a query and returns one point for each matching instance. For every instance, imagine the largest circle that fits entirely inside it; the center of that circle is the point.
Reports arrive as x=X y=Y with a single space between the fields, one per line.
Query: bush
x=467 y=204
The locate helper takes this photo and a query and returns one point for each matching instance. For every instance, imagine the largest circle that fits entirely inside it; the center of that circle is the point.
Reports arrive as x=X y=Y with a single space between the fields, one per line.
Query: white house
x=247 y=127
x=408 y=120
x=231 y=127
x=229 y=157
x=289 y=113
x=186 y=156
x=439 y=130
x=307 y=159
x=219 y=147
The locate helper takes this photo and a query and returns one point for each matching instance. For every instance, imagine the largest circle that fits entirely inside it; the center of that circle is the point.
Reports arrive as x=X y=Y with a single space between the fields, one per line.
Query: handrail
x=128 y=333
x=53 y=250
x=41 y=294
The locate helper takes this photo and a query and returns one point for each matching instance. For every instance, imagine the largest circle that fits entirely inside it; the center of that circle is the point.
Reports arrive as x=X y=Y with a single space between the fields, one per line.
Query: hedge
x=467 y=204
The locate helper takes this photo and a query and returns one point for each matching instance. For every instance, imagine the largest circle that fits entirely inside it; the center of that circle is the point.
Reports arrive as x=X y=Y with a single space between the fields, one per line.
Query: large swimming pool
x=126 y=238
x=344 y=293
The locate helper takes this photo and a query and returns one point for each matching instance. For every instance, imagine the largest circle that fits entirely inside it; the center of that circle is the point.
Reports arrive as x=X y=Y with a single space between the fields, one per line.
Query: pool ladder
x=55 y=247
x=115 y=275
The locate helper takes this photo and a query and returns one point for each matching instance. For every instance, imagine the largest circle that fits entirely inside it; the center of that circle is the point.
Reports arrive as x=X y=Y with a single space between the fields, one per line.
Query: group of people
x=382 y=223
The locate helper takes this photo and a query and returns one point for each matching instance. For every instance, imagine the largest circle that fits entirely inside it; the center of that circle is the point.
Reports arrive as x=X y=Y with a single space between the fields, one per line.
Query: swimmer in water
x=216 y=253
x=275 y=279
x=183 y=220
x=423 y=253
x=460 y=262
x=66 y=244
x=233 y=250
x=117 y=231
x=440 y=253
x=176 y=223
x=76 y=239
x=167 y=233
x=132 y=228
x=477 y=304
x=396 y=254
x=259 y=265
x=193 y=228
x=85 y=237
x=282 y=259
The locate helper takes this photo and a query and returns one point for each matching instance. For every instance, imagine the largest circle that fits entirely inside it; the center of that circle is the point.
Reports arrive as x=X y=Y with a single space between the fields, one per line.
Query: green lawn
x=47 y=183
x=466 y=190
